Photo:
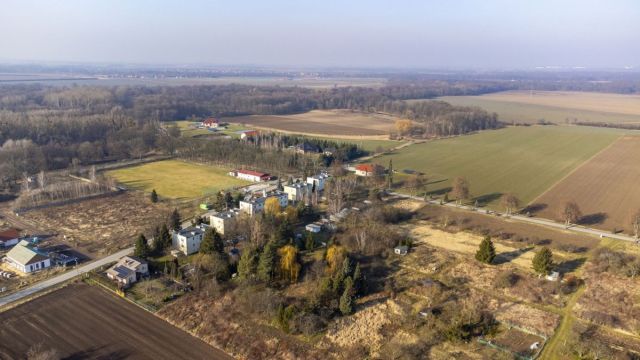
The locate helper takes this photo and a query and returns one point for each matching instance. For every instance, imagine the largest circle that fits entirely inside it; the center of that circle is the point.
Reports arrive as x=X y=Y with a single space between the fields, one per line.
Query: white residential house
x=188 y=239
x=401 y=250
x=297 y=192
x=223 y=221
x=128 y=270
x=9 y=237
x=256 y=206
x=318 y=181
x=27 y=259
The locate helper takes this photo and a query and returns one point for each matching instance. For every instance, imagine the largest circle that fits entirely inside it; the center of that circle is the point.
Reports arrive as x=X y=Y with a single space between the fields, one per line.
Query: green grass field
x=188 y=129
x=523 y=160
x=176 y=179
x=522 y=113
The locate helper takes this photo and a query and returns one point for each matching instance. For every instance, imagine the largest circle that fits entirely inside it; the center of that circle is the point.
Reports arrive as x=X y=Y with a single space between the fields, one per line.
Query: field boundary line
x=576 y=169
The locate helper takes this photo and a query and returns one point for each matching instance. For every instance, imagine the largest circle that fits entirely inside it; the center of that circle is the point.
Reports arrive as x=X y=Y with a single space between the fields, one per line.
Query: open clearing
x=98 y=227
x=555 y=106
x=525 y=161
x=345 y=124
x=84 y=322
x=176 y=179
x=605 y=188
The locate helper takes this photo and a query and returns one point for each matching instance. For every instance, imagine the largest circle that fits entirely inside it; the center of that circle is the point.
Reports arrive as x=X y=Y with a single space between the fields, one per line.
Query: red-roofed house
x=9 y=237
x=210 y=123
x=250 y=175
x=244 y=135
x=369 y=169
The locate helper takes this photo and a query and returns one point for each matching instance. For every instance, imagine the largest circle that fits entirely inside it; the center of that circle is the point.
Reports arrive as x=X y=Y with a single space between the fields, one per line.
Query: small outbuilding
x=9 y=237
x=27 y=258
x=313 y=228
x=401 y=250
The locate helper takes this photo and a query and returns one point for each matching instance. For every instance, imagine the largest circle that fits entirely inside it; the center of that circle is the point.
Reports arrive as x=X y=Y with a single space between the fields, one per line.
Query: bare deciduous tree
x=570 y=213
x=635 y=223
x=510 y=203
x=460 y=189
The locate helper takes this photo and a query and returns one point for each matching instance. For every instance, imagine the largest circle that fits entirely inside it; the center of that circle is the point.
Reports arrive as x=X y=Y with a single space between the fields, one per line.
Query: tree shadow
x=509 y=256
x=438 y=192
x=593 y=219
x=534 y=208
x=487 y=198
x=570 y=265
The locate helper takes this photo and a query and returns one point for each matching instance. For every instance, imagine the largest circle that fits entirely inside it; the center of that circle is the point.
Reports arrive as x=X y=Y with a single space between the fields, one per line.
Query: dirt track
x=84 y=322
x=605 y=188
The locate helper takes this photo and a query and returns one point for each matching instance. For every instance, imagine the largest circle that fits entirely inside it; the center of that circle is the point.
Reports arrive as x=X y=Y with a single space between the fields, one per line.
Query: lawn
x=556 y=107
x=523 y=160
x=176 y=179
x=190 y=128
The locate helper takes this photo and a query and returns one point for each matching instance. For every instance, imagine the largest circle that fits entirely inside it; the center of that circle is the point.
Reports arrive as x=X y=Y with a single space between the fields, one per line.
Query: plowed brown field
x=84 y=322
x=606 y=188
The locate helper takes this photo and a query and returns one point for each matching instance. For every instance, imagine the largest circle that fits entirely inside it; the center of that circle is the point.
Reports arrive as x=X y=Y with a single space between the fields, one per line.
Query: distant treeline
x=609 y=125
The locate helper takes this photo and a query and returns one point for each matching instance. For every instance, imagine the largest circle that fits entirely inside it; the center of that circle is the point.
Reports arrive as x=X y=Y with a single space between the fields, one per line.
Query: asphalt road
x=531 y=220
x=56 y=280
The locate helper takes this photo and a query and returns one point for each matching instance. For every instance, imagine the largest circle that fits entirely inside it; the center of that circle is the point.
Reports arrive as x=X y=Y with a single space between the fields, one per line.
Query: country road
x=531 y=220
x=56 y=280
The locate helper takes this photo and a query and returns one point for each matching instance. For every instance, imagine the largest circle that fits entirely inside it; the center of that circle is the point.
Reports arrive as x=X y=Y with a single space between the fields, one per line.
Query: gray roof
x=121 y=271
x=191 y=229
x=23 y=254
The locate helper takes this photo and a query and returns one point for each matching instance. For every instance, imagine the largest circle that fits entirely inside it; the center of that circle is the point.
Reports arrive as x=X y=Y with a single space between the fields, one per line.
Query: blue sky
x=349 y=33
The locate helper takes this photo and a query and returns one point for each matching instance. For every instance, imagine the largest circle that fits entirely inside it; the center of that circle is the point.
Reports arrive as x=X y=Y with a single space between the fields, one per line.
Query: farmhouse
x=297 y=192
x=250 y=175
x=248 y=134
x=211 y=123
x=369 y=169
x=27 y=259
x=223 y=221
x=188 y=240
x=9 y=237
x=318 y=181
x=256 y=206
x=128 y=270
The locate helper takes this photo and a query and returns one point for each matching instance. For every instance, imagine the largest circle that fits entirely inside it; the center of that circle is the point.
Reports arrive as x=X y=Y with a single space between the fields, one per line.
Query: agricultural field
x=82 y=322
x=557 y=107
x=605 y=188
x=342 y=124
x=176 y=179
x=525 y=161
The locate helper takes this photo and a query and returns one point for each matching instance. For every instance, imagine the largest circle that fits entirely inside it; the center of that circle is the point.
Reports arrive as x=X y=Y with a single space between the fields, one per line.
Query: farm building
x=250 y=175
x=248 y=134
x=9 y=237
x=223 y=221
x=369 y=170
x=256 y=206
x=27 y=259
x=211 y=123
x=318 y=181
x=128 y=270
x=307 y=148
x=188 y=240
x=297 y=191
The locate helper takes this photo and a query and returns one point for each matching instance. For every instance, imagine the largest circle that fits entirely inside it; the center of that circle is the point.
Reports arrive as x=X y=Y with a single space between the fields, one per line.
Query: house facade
x=318 y=181
x=223 y=221
x=188 y=239
x=9 y=237
x=128 y=270
x=256 y=206
x=297 y=192
x=27 y=259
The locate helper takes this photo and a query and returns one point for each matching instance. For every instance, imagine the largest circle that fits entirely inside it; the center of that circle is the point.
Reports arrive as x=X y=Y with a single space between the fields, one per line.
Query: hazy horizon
x=368 y=34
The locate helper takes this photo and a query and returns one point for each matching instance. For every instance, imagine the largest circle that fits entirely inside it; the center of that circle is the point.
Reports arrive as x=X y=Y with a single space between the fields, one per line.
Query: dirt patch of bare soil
x=100 y=226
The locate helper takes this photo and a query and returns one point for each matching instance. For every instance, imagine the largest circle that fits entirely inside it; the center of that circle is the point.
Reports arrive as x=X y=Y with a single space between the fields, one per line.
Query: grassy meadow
x=176 y=179
x=523 y=160
x=555 y=106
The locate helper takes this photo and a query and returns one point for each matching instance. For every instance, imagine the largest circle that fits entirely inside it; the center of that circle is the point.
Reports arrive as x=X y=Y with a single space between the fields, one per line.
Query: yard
x=525 y=161
x=176 y=179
